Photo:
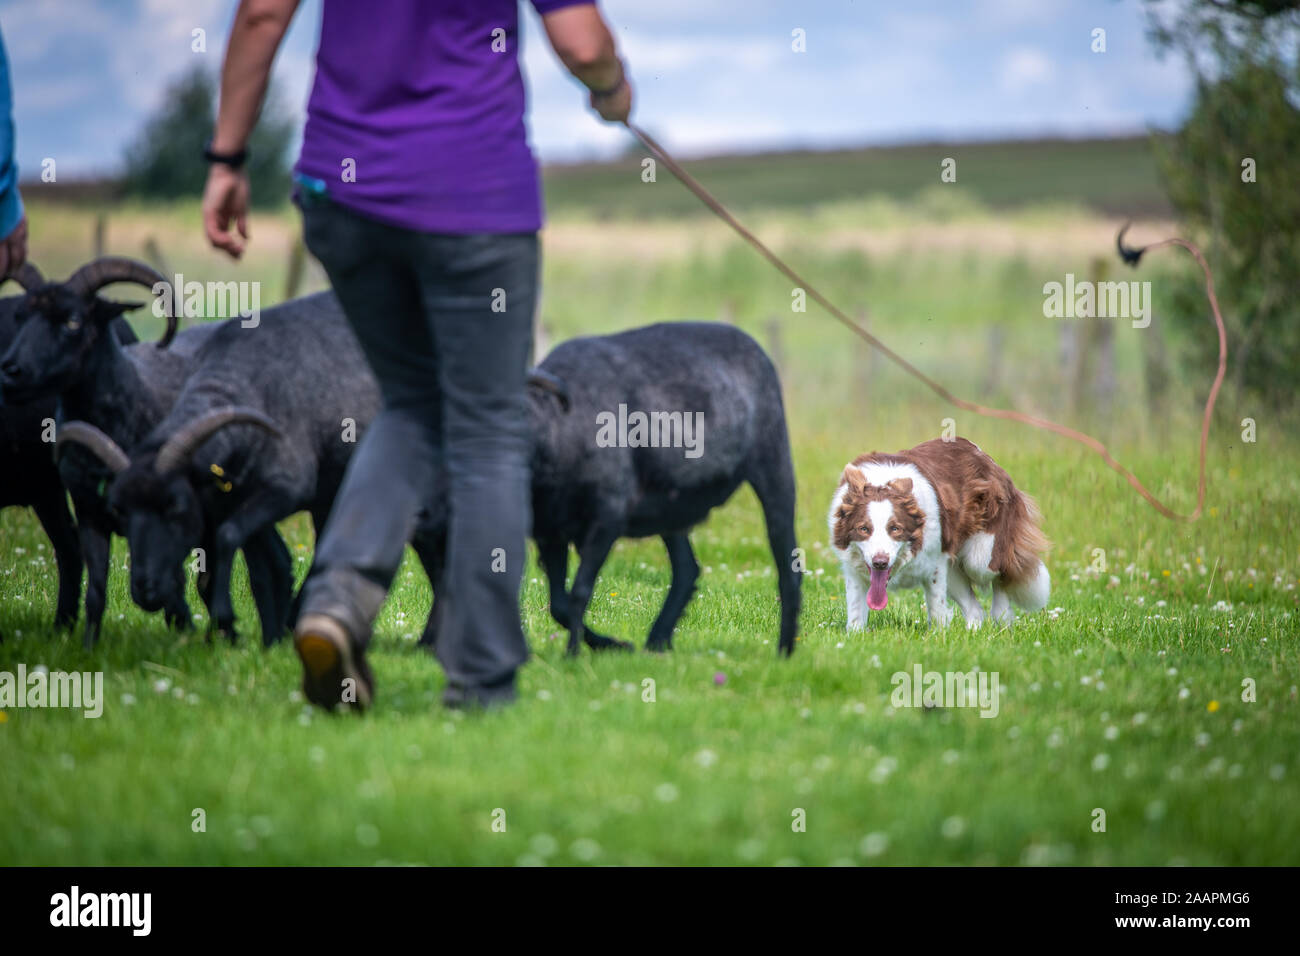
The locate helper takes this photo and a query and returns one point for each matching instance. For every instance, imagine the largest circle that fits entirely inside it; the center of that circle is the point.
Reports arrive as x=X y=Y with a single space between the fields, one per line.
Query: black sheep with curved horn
x=264 y=428
x=163 y=538
x=106 y=270
x=61 y=351
x=29 y=477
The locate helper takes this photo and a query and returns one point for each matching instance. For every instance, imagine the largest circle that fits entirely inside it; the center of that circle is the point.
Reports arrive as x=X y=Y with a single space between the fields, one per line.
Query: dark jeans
x=451 y=371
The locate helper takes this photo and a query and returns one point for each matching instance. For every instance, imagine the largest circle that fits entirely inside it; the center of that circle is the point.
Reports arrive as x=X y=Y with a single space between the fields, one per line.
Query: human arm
x=255 y=36
x=13 y=218
x=583 y=42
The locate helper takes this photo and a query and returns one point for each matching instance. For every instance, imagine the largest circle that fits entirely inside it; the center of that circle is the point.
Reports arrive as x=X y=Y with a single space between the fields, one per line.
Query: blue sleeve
x=11 y=204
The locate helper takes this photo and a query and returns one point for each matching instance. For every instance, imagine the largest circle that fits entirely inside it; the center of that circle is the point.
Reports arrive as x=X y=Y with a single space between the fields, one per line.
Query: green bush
x=166 y=160
x=1232 y=172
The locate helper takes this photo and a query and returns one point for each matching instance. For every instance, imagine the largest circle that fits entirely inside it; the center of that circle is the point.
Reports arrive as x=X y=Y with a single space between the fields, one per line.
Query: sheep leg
x=270 y=578
x=431 y=550
x=591 y=556
x=177 y=613
x=95 y=550
x=259 y=510
x=319 y=514
x=773 y=482
x=554 y=556
x=204 y=580
x=686 y=570
x=56 y=519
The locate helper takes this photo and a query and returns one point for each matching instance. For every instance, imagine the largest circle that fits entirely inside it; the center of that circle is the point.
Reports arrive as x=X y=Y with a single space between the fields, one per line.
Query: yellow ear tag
x=220 y=473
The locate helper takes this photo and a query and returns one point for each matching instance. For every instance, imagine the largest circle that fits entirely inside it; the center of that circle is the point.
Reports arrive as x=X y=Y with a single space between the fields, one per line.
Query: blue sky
x=712 y=75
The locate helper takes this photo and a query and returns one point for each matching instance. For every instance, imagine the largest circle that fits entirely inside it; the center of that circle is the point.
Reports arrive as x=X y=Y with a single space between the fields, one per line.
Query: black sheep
x=263 y=428
x=589 y=493
x=29 y=477
x=62 y=350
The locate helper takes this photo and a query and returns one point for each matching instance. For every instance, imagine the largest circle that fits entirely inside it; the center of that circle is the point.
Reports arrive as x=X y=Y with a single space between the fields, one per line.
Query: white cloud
x=707 y=54
x=1008 y=12
x=1024 y=67
x=710 y=74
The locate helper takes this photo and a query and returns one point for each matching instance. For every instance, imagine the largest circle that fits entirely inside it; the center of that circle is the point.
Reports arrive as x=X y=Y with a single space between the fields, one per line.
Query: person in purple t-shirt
x=420 y=197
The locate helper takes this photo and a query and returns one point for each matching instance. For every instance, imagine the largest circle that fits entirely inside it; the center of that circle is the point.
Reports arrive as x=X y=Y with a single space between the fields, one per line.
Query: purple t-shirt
x=416 y=117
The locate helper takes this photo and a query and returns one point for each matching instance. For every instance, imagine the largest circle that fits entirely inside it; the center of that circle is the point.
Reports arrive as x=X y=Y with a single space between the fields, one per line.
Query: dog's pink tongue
x=877 y=596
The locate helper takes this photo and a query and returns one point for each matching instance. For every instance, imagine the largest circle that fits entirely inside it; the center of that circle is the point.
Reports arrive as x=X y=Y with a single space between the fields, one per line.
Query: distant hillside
x=1112 y=176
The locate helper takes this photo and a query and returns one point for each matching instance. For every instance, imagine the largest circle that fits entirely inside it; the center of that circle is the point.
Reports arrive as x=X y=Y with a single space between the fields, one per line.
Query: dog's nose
x=880 y=562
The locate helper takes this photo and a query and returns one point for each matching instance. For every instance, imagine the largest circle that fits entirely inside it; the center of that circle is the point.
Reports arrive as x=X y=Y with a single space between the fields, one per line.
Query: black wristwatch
x=233 y=160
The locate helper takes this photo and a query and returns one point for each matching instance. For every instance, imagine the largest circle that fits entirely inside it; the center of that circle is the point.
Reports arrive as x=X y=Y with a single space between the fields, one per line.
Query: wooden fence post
x=294 y=270
x=541 y=340
x=776 y=344
x=866 y=361
x=1068 y=352
x=1103 y=376
x=994 y=365
x=1155 y=369
x=153 y=254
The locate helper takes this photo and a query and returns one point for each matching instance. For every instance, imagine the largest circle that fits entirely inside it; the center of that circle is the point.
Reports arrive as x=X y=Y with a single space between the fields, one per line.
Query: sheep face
x=163 y=518
x=57 y=332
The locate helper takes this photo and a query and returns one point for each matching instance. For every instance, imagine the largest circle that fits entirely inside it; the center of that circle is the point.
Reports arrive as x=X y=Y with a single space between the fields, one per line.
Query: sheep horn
x=540 y=378
x=105 y=270
x=83 y=433
x=29 y=277
x=177 y=450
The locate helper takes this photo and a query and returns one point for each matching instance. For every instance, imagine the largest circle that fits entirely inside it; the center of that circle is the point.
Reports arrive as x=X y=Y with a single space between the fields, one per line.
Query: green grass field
x=1126 y=696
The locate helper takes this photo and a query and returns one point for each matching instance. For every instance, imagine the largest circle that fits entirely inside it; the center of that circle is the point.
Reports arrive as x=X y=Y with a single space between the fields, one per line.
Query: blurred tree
x=1233 y=169
x=166 y=159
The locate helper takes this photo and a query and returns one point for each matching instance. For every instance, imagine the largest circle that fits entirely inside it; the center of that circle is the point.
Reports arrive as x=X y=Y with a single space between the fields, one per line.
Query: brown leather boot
x=334 y=669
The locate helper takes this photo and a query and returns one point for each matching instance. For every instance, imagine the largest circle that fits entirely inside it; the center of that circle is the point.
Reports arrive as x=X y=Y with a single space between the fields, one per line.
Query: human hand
x=225 y=199
x=13 y=249
x=614 y=105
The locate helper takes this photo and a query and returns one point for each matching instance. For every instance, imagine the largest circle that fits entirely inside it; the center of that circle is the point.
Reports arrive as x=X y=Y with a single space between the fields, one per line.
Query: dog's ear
x=854 y=478
x=900 y=486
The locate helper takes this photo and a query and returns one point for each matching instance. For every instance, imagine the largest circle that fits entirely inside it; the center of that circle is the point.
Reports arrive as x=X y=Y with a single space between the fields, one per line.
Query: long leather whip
x=1131 y=256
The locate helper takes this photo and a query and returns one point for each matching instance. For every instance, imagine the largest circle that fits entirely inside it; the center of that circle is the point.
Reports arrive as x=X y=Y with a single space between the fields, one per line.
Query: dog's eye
x=865 y=529
x=72 y=324
x=893 y=528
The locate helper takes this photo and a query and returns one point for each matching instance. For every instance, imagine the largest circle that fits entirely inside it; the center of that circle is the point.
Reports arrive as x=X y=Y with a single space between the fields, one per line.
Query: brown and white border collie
x=941 y=516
